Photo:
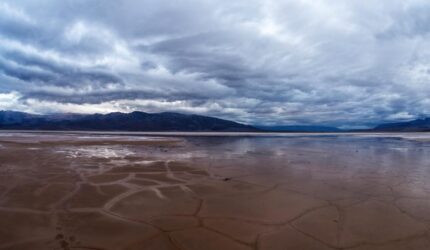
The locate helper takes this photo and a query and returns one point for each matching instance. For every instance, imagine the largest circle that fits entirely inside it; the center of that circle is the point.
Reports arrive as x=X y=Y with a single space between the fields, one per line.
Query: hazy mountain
x=168 y=121
x=299 y=128
x=135 y=121
x=419 y=125
x=12 y=117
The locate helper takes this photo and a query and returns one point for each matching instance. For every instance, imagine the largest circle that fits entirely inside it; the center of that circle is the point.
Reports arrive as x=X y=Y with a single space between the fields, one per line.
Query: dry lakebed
x=208 y=191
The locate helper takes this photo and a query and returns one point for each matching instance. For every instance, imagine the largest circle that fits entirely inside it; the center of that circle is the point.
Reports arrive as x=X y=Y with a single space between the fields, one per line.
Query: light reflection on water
x=403 y=150
x=352 y=152
x=96 y=152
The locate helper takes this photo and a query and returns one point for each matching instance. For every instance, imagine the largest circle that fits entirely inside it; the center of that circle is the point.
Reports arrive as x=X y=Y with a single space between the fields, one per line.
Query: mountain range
x=134 y=121
x=169 y=121
x=419 y=125
x=299 y=128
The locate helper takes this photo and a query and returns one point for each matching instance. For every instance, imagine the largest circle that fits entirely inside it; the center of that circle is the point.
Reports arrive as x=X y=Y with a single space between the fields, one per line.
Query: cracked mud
x=64 y=191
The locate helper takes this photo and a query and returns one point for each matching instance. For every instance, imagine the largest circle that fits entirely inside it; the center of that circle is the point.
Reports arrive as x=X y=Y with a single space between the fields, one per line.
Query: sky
x=274 y=62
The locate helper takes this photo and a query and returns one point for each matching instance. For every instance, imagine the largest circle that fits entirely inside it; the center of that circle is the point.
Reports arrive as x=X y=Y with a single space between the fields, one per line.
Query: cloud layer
x=348 y=63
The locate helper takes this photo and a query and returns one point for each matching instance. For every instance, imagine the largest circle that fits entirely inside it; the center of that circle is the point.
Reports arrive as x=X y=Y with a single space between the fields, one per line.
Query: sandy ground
x=111 y=192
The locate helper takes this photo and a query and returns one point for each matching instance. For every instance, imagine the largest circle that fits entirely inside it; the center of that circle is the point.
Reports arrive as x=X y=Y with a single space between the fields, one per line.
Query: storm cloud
x=344 y=63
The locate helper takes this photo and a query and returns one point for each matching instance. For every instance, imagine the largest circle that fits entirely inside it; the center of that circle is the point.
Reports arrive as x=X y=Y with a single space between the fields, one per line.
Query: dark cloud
x=261 y=62
x=48 y=72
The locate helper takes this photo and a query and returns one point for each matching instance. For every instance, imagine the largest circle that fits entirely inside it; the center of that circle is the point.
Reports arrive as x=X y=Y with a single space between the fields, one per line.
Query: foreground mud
x=74 y=191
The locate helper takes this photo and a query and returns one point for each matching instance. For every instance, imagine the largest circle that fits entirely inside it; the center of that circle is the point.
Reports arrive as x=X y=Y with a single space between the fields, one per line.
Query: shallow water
x=214 y=191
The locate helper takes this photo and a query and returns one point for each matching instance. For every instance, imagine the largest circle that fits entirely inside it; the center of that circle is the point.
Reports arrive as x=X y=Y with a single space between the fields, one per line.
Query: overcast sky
x=335 y=62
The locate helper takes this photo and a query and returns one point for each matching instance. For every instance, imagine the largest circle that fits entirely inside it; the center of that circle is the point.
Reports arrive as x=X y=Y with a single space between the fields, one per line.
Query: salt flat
x=193 y=191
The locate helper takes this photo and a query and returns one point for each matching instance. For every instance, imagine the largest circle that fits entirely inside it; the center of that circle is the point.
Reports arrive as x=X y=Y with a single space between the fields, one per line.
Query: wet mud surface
x=111 y=192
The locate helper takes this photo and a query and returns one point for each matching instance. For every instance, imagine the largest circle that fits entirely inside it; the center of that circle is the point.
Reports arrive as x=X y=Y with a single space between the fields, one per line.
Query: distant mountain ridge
x=169 y=121
x=134 y=121
x=419 y=125
x=300 y=128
